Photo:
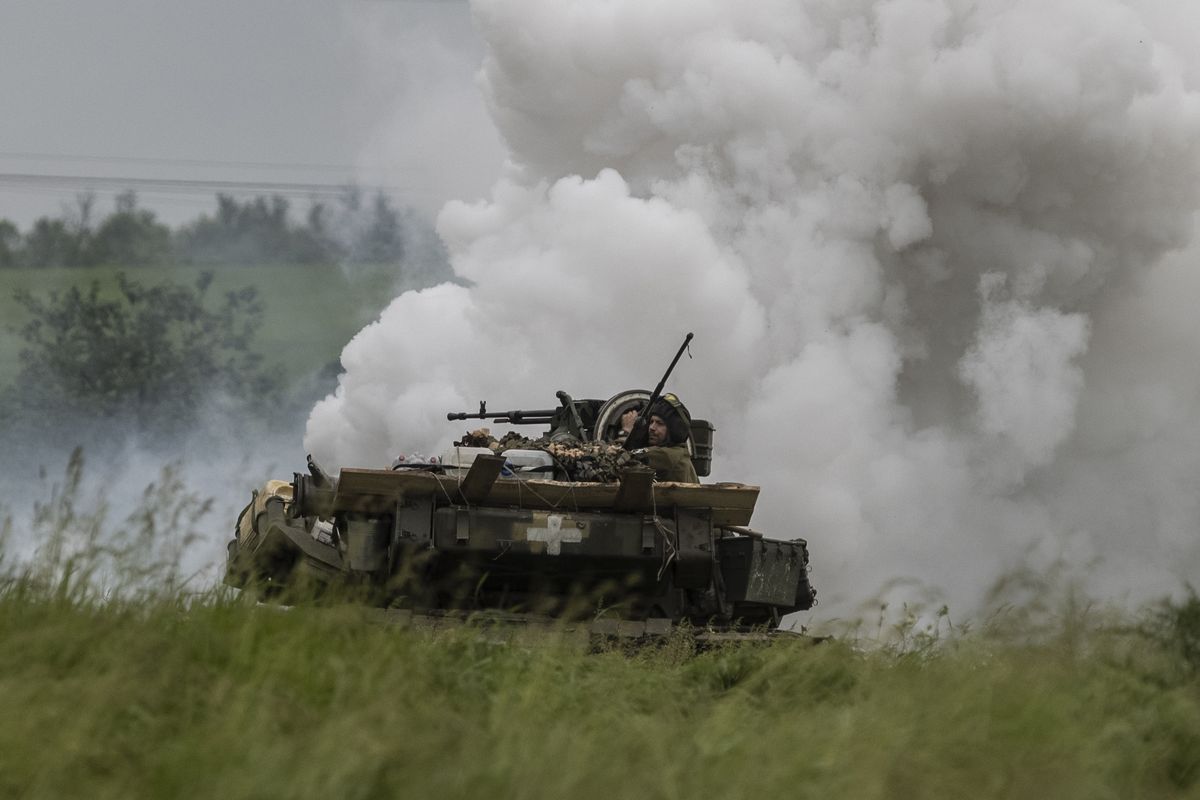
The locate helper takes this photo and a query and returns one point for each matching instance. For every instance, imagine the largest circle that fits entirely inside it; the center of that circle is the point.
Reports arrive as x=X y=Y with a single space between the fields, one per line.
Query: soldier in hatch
x=668 y=432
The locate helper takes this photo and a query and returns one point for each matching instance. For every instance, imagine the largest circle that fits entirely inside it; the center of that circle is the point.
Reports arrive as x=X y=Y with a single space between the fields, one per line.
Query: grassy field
x=115 y=682
x=157 y=698
x=311 y=311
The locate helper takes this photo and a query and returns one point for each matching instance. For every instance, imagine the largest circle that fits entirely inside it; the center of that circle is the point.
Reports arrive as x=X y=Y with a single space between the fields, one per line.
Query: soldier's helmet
x=673 y=412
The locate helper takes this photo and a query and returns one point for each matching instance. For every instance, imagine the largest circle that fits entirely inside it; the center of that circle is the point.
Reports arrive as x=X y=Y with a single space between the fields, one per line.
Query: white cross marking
x=553 y=534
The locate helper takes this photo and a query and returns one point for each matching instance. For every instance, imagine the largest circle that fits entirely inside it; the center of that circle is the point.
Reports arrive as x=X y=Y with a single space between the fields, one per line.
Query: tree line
x=353 y=229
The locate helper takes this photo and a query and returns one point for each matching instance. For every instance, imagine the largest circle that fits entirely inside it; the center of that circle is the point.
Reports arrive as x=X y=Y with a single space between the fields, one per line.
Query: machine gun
x=540 y=416
x=572 y=419
x=588 y=420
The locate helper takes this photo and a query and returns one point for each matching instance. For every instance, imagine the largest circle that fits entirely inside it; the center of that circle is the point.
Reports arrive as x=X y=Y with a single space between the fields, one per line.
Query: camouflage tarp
x=600 y=462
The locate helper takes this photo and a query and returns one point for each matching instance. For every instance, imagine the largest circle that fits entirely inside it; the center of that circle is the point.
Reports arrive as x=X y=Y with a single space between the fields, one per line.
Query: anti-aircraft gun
x=507 y=531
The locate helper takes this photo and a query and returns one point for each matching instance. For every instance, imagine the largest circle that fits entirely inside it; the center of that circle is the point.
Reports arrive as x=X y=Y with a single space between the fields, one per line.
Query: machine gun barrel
x=658 y=389
x=541 y=416
x=638 y=436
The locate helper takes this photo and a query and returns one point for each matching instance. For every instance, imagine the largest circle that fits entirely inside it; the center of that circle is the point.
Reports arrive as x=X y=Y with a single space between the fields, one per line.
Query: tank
x=566 y=526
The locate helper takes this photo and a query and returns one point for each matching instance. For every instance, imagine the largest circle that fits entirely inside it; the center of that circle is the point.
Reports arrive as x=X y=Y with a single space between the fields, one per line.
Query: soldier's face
x=657 y=432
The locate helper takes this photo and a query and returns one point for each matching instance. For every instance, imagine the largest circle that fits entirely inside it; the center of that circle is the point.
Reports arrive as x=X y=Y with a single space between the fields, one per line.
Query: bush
x=152 y=356
x=1175 y=626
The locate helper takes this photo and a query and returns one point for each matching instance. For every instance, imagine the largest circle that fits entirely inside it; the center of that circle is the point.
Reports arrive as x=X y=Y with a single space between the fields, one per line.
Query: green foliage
x=254 y=231
x=152 y=355
x=309 y=313
x=381 y=240
x=1175 y=627
x=10 y=244
x=130 y=237
x=215 y=696
x=260 y=230
x=52 y=243
x=81 y=559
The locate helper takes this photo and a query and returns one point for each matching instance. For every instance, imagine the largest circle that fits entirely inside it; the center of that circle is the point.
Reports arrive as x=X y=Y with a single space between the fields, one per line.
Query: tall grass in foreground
x=162 y=692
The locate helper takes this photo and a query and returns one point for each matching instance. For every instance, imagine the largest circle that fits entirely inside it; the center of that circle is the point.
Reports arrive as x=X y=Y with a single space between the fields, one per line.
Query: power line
x=145 y=197
x=191 y=185
x=188 y=162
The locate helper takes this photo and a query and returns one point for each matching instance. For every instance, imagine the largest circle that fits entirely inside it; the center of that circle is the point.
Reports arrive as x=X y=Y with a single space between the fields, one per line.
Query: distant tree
x=382 y=238
x=314 y=243
x=151 y=356
x=130 y=237
x=79 y=218
x=10 y=244
x=358 y=228
x=267 y=221
x=351 y=199
x=256 y=231
x=53 y=243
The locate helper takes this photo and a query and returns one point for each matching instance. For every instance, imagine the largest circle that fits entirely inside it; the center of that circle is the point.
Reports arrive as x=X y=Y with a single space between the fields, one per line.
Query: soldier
x=668 y=433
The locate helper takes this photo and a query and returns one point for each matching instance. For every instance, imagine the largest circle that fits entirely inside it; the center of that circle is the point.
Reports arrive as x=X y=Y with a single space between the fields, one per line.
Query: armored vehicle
x=565 y=526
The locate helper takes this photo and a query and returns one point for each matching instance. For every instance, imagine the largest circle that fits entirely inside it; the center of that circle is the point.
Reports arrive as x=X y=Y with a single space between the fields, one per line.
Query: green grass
x=155 y=699
x=311 y=311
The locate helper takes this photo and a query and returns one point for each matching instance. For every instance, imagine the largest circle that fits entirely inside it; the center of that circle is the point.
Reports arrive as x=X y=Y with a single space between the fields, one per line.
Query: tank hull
x=633 y=553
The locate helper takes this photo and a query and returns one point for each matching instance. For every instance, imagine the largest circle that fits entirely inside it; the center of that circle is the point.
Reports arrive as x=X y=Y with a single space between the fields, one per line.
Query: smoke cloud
x=937 y=254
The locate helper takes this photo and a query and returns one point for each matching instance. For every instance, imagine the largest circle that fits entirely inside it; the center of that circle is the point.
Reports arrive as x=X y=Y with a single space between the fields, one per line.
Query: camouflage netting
x=600 y=462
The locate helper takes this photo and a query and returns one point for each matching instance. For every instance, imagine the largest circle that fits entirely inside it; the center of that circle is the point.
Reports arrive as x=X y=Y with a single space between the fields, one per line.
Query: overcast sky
x=268 y=91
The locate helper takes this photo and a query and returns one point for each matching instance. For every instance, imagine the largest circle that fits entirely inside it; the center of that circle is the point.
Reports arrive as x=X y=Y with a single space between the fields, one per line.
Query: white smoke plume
x=938 y=256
